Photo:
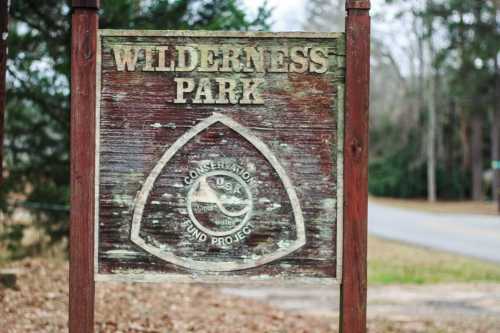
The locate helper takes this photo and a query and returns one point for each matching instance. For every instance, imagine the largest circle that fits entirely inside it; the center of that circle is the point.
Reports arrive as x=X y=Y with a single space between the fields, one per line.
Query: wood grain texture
x=4 y=22
x=83 y=96
x=353 y=290
x=297 y=122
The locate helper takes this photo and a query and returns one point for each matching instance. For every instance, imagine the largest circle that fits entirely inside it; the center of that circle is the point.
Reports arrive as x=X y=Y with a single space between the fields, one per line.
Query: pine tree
x=37 y=122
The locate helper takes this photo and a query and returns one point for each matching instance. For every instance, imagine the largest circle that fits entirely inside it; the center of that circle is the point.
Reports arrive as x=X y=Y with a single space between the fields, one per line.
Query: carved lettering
x=254 y=60
x=222 y=58
x=299 y=60
x=125 y=57
x=187 y=58
x=210 y=58
x=228 y=91
x=278 y=55
x=319 y=60
x=208 y=62
x=184 y=85
x=148 y=55
x=251 y=94
x=230 y=59
x=204 y=93
x=227 y=95
x=162 y=67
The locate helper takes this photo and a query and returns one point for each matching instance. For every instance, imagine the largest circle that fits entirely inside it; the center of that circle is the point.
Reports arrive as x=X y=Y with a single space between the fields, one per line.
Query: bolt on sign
x=219 y=156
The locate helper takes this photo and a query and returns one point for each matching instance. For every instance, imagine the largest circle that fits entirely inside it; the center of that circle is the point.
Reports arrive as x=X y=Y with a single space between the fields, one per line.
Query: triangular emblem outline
x=220 y=266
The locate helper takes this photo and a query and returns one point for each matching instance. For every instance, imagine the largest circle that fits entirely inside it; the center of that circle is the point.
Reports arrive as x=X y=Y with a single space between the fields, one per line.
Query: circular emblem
x=217 y=212
x=219 y=203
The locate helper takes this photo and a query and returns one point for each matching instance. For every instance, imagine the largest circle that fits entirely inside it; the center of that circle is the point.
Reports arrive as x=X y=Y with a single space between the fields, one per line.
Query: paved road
x=470 y=235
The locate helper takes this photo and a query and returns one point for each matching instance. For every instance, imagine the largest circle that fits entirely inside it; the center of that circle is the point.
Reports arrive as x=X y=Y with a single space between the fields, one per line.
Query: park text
x=209 y=58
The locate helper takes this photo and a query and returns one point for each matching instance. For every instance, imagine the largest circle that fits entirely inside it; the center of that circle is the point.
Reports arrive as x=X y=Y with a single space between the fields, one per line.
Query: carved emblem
x=220 y=203
x=218 y=199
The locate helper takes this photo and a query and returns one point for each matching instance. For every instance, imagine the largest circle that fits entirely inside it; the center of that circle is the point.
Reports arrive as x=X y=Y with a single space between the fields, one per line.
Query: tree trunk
x=495 y=154
x=431 y=143
x=464 y=138
x=495 y=137
x=476 y=156
x=4 y=20
x=431 y=129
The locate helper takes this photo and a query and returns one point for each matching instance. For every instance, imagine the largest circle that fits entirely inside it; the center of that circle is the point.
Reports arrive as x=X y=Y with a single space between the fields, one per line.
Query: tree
x=495 y=128
x=37 y=122
x=414 y=98
x=431 y=128
x=325 y=15
x=450 y=79
x=431 y=108
x=473 y=41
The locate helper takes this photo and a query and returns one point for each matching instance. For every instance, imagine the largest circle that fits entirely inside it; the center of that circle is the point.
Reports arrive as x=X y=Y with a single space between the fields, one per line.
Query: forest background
x=435 y=98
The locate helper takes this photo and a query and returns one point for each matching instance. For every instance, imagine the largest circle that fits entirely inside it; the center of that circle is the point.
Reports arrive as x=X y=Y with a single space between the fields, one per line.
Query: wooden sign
x=219 y=156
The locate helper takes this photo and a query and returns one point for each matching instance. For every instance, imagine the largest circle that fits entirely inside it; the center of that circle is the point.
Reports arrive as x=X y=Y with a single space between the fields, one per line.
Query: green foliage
x=392 y=177
x=11 y=237
x=453 y=183
x=399 y=168
x=37 y=122
x=459 y=41
x=181 y=14
x=392 y=173
x=472 y=42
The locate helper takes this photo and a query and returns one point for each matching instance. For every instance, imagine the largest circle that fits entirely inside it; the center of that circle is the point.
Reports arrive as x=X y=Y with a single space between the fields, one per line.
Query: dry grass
x=40 y=305
x=456 y=207
x=394 y=262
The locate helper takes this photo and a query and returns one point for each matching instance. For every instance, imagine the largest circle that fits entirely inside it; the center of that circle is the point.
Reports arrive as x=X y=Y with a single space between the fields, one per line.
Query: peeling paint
x=167 y=125
x=301 y=123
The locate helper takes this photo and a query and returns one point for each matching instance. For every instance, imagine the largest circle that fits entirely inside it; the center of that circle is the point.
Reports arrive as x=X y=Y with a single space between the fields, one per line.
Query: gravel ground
x=39 y=304
x=457 y=307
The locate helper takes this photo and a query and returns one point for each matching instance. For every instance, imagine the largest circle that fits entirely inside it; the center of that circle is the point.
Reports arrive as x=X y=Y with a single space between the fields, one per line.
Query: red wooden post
x=354 y=280
x=4 y=22
x=83 y=101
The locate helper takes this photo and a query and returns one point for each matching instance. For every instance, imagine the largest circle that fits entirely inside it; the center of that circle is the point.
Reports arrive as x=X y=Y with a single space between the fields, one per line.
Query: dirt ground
x=453 y=307
x=39 y=304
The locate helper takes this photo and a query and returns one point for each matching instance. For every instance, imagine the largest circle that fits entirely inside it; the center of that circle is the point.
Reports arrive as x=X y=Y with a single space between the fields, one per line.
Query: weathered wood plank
x=83 y=97
x=287 y=143
x=353 y=290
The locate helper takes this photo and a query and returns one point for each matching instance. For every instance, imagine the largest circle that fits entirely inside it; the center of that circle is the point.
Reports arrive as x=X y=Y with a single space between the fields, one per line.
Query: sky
x=288 y=15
